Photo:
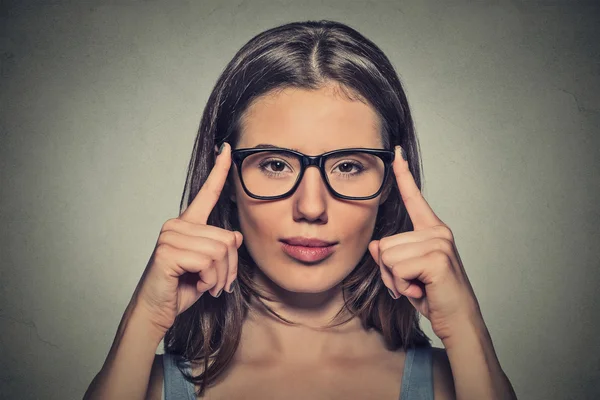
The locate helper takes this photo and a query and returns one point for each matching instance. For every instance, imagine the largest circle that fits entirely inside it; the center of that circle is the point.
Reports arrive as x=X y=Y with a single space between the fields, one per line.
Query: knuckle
x=386 y=258
x=384 y=243
x=208 y=264
x=209 y=278
x=225 y=167
x=163 y=251
x=216 y=192
x=230 y=240
x=170 y=224
x=409 y=198
x=443 y=245
x=440 y=258
x=166 y=237
x=444 y=232
x=221 y=250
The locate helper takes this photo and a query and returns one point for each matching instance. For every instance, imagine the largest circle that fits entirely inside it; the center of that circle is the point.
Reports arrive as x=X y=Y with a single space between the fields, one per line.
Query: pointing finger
x=202 y=205
x=421 y=214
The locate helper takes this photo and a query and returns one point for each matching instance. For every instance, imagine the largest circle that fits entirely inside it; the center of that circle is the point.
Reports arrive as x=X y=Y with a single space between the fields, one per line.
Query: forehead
x=311 y=121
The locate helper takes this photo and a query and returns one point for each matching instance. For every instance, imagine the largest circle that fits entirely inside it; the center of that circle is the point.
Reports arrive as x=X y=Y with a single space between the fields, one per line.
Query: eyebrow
x=270 y=146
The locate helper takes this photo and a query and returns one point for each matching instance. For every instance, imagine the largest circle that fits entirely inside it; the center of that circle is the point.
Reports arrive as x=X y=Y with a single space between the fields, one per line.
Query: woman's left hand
x=424 y=265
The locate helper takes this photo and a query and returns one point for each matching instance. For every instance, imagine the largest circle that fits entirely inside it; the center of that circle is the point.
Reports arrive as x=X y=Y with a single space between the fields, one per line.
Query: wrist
x=140 y=322
x=475 y=366
x=470 y=329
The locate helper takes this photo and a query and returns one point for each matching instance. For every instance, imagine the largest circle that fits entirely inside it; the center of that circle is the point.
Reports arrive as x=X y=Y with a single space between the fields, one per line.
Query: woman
x=304 y=248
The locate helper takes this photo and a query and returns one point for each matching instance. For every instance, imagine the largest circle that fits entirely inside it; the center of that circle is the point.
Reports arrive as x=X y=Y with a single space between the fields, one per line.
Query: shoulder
x=155 y=385
x=443 y=382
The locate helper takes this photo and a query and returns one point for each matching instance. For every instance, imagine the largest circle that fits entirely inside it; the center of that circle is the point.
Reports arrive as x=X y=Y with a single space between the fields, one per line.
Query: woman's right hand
x=190 y=256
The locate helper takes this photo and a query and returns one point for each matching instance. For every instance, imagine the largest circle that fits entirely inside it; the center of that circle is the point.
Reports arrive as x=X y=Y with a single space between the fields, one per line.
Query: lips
x=308 y=250
x=307 y=242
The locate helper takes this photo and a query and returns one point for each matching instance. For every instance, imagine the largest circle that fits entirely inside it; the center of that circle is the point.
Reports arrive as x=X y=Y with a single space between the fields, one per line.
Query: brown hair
x=305 y=55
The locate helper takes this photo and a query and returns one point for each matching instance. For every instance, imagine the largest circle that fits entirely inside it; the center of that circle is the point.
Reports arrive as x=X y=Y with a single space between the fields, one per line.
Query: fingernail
x=221 y=148
x=402 y=153
x=218 y=294
x=231 y=287
x=392 y=294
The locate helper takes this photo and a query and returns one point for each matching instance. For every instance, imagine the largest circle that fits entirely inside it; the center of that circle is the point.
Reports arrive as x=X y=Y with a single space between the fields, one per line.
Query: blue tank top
x=417 y=379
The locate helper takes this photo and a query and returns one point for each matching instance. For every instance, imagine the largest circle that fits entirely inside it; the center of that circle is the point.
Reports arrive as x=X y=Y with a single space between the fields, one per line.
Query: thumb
x=374 y=250
x=238 y=239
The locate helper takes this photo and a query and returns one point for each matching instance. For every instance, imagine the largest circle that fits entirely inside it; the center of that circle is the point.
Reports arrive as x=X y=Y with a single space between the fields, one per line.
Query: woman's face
x=312 y=122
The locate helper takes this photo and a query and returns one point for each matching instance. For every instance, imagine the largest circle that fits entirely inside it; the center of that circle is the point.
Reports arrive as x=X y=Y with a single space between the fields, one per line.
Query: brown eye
x=349 y=168
x=346 y=167
x=277 y=166
x=274 y=167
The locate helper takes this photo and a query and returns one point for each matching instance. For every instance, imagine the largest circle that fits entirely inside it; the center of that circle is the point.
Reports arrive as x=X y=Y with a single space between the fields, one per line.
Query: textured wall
x=100 y=101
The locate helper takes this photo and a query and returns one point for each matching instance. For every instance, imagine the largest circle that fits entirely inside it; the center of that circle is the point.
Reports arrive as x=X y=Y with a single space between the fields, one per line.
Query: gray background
x=100 y=102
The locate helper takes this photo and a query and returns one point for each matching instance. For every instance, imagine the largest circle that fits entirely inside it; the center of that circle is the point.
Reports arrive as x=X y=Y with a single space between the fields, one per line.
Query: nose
x=310 y=198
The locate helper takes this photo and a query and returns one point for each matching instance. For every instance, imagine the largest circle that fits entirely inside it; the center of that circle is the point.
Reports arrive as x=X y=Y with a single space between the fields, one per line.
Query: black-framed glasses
x=274 y=173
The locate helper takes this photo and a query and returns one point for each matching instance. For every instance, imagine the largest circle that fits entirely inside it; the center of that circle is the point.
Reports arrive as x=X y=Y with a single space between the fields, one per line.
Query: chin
x=305 y=287
x=305 y=279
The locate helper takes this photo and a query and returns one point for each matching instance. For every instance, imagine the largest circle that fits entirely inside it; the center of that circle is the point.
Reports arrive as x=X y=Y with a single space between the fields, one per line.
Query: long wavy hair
x=307 y=55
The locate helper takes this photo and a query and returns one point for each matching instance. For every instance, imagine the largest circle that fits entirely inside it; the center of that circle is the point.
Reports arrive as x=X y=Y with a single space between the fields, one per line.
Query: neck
x=311 y=310
x=264 y=336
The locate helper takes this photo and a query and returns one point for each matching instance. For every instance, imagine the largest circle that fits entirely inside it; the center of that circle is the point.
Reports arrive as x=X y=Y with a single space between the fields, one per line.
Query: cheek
x=261 y=226
x=259 y=220
x=359 y=228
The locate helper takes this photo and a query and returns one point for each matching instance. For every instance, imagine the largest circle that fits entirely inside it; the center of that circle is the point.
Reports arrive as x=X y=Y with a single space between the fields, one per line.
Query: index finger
x=206 y=199
x=421 y=214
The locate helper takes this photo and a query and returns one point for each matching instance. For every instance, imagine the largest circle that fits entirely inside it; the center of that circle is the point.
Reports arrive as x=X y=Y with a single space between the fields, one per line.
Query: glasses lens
x=355 y=174
x=270 y=173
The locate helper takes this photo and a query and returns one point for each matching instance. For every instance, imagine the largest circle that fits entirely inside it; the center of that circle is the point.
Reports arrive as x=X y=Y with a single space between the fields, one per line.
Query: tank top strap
x=417 y=380
x=175 y=386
